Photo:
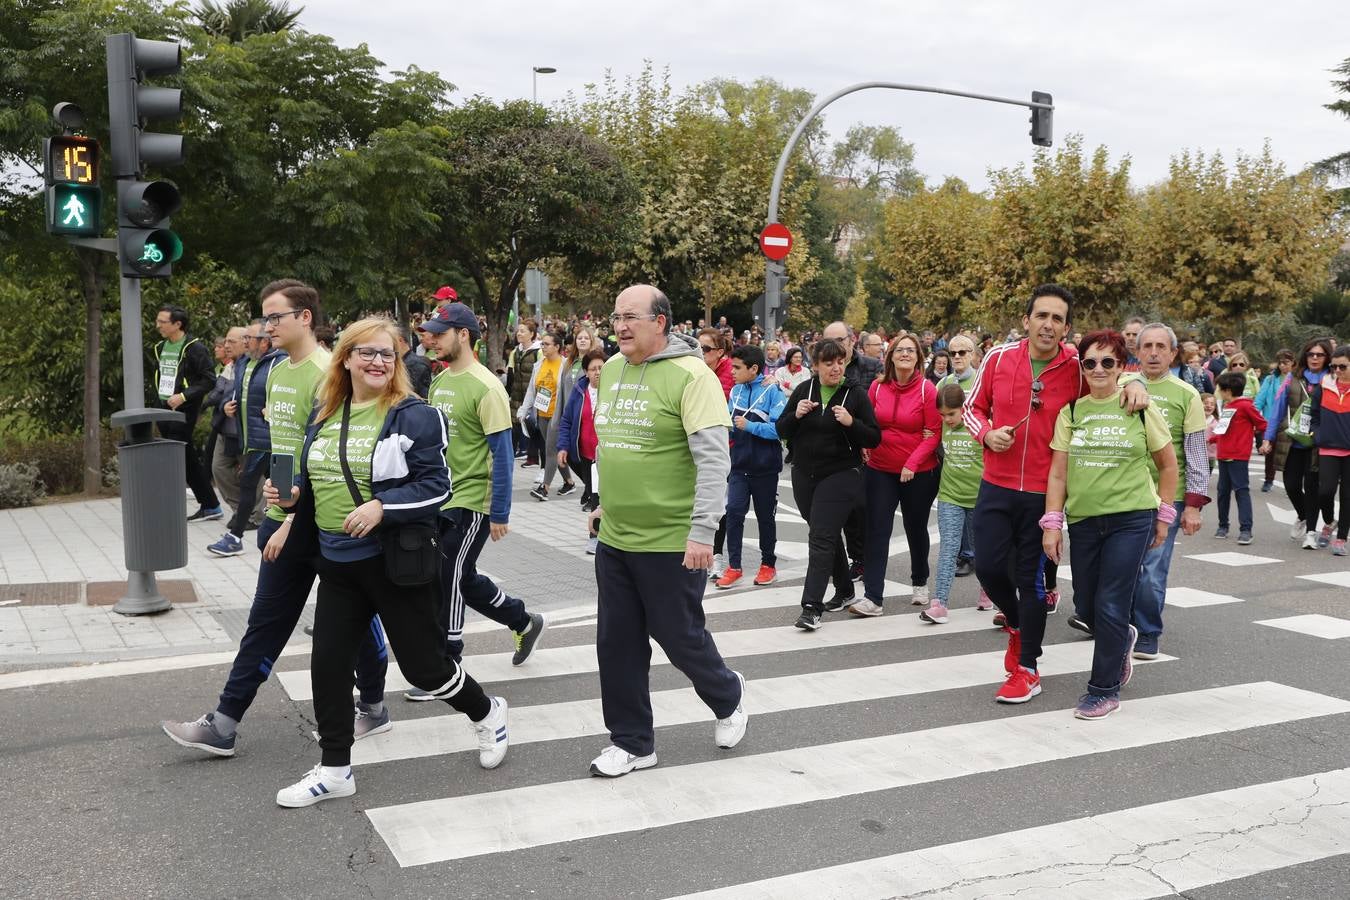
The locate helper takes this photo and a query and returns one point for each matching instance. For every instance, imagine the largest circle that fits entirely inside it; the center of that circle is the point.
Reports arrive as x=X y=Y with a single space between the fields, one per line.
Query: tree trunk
x=707 y=299
x=92 y=283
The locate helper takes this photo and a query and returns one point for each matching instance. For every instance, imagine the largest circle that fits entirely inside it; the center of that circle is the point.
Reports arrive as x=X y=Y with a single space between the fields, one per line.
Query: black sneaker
x=1265 y=488
x=205 y=514
x=1244 y=538
x=539 y=493
x=808 y=621
x=840 y=601
x=855 y=571
x=567 y=488
x=1079 y=624
x=528 y=463
x=965 y=567
x=526 y=641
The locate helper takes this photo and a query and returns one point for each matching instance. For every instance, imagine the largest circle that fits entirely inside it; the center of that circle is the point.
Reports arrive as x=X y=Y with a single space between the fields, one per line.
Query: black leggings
x=1301 y=484
x=1334 y=472
x=825 y=505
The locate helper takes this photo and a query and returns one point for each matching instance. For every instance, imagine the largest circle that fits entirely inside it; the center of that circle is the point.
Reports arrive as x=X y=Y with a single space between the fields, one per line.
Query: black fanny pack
x=411 y=552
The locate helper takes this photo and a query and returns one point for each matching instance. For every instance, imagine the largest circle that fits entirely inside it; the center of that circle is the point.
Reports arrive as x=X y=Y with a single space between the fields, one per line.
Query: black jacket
x=196 y=375
x=821 y=446
x=862 y=370
x=419 y=373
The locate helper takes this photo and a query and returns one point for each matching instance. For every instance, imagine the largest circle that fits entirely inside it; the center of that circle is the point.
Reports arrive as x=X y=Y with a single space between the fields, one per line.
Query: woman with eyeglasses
x=541 y=408
x=1240 y=363
x=939 y=366
x=1293 y=446
x=373 y=460
x=1101 y=484
x=793 y=372
x=1271 y=385
x=716 y=347
x=1331 y=428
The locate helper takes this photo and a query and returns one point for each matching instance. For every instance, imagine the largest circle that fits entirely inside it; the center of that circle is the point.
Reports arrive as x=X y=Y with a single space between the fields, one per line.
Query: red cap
x=446 y=293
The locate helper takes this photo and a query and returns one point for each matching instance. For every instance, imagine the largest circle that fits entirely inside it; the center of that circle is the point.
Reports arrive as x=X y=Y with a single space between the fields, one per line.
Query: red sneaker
x=766 y=575
x=1014 y=651
x=728 y=579
x=1020 y=687
x=1051 y=602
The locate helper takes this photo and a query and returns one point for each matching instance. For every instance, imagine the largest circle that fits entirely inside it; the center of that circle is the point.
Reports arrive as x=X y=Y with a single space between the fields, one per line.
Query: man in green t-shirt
x=184 y=375
x=1180 y=406
x=663 y=457
x=479 y=454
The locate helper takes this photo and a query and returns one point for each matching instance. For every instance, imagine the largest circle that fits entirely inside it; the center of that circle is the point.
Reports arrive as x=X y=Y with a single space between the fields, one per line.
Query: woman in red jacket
x=901 y=471
x=716 y=348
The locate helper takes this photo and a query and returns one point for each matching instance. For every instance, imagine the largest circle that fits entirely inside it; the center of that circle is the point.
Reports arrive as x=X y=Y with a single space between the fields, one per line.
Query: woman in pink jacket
x=901 y=471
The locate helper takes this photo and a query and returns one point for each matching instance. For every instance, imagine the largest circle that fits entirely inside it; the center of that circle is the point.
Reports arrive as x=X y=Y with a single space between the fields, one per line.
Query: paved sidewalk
x=69 y=545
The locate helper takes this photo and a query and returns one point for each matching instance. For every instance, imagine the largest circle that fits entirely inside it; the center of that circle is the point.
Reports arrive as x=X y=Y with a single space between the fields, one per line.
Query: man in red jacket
x=1011 y=410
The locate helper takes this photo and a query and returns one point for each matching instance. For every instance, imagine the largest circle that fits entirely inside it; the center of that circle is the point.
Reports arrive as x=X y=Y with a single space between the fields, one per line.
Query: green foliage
x=20 y=485
x=1338 y=166
x=236 y=20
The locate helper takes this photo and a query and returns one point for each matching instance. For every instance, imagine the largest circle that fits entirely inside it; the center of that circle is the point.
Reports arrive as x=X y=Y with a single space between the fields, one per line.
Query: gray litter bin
x=154 y=522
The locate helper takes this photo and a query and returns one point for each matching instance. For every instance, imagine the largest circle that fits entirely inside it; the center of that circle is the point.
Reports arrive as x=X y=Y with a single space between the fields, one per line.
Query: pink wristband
x=1052 y=521
x=1167 y=513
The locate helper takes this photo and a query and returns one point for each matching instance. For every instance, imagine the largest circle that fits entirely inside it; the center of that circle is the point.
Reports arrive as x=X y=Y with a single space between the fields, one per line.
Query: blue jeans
x=1107 y=552
x=967 y=553
x=1151 y=591
x=953 y=526
x=1233 y=477
x=762 y=488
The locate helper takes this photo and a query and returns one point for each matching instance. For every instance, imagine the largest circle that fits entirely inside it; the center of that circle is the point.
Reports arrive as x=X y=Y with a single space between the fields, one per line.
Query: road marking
x=500 y=821
x=1281 y=515
x=149 y=666
x=450 y=733
x=1339 y=579
x=551 y=662
x=1328 y=627
x=1234 y=559
x=1186 y=598
x=775 y=597
x=1163 y=849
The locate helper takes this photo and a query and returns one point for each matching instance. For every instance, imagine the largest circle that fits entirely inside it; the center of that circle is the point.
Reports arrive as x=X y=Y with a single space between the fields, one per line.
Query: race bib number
x=543 y=398
x=1305 y=421
x=168 y=377
x=1224 y=418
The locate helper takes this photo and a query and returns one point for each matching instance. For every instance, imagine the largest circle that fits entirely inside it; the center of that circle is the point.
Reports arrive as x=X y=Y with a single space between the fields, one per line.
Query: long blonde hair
x=337 y=386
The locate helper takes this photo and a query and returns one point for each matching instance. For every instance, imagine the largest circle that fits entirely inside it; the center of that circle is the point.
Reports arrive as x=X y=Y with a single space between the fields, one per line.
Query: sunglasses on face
x=1107 y=362
x=1316 y=354
x=1339 y=367
x=960 y=352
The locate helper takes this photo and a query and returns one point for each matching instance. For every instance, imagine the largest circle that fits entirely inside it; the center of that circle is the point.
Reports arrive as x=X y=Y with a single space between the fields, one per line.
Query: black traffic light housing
x=147 y=245
x=1042 y=120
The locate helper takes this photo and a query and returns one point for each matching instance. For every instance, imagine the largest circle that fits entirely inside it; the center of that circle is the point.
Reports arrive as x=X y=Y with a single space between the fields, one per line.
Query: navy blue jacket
x=569 y=426
x=257 y=431
x=756 y=449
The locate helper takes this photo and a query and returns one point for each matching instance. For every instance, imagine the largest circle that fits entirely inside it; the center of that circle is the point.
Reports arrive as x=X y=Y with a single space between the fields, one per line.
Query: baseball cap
x=451 y=315
x=446 y=293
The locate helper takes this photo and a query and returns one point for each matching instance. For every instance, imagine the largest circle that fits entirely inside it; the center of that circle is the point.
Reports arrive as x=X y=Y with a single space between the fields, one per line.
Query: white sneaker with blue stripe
x=319 y=783
x=492 y=735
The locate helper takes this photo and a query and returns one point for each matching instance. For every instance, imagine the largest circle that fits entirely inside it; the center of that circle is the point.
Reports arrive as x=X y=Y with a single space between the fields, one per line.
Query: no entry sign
x=775 y=241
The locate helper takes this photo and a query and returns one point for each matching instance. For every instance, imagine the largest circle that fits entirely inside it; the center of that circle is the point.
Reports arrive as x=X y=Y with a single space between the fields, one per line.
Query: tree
x=1338 y=166
x=236 y=20
x=870 y=165
x=1214 y=245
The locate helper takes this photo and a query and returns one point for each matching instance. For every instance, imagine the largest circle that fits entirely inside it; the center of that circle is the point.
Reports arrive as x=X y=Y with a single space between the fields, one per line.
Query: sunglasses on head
x=1107 y=362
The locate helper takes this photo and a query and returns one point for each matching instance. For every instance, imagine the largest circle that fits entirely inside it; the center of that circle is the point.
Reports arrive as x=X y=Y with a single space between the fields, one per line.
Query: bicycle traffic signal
x=147 y=245
x=74 y=199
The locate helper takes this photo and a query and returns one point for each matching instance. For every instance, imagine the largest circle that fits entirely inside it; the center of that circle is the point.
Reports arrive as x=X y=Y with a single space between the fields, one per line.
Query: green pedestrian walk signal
x=74 y=209
x=74 y=199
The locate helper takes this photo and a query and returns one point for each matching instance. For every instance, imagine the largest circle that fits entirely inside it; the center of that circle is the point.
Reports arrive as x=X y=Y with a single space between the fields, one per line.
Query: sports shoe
x=539 y=492
x=856 y=570
x=492 y=738
x=1020 y=687
x=318 y=784
x=840 y=601
x=1296 y=530
x=1265 y=488
x=1000 y=620
x=567 y=488
x=984 y=604
x=417 y=695
x=808 y=621
x=591 y=544
x=228 y=545
x=367 y=723
x=765 y=575
x=920 y=595
x=727 y=733
x=1310 y=541
x=935 y=613
x=1245 y=538
x=1051 y=602
x=865 y=607
x=1014 y=651
x=964 y=567
x=309 y=630
x=615 y=761
x=728 y=579
x=526 y=641
x=1146 y=647
x=1078 y=623
x=719 y=566
x=1221 y=532
x=1324 y=538
x=528 y=463
x=1338 y=548
x=207 y=514
x=200 y=735
x=1092 y=707
x=1127 y=667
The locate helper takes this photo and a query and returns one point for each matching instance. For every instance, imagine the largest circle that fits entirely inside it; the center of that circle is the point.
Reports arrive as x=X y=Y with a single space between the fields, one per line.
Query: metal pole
x=534 y=76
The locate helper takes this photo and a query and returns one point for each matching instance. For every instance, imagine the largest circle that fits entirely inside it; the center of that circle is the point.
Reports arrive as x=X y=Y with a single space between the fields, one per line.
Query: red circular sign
x=775 y=241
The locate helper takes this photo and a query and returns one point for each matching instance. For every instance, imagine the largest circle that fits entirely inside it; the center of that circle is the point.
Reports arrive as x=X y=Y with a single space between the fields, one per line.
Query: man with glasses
x=184 y=374
x=223 y=450
x=1011 y=409
x=873 y=346
x=962 y=351
x=663 y=460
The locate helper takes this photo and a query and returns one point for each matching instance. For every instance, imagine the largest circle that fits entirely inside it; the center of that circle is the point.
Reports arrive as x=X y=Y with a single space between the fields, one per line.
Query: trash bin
x=153 y=473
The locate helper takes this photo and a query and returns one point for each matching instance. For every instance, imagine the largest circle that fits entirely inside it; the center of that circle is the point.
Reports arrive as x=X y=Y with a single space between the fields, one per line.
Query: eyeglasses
x=904 y=351
x=1036 y=387
x=369 y=354
x=1339 y=367
x=275 y=318
x=1107 y=362
x=960 y=352
x=629 y=318
x=1316 y=354
x=707 y=349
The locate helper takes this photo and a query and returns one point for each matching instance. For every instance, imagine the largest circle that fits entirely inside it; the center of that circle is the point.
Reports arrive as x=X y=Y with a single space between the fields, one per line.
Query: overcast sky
x=1146 y=81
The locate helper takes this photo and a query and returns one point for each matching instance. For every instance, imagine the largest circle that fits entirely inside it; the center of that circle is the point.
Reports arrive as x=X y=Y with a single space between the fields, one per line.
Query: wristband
x=1053 y=521
x=1167 y=513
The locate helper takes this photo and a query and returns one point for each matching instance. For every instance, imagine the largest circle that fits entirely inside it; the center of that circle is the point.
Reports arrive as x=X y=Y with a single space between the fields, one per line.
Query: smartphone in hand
x=282 y=474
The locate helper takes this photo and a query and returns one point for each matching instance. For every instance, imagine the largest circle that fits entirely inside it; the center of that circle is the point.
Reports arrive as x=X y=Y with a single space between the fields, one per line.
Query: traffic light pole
x=772 y=278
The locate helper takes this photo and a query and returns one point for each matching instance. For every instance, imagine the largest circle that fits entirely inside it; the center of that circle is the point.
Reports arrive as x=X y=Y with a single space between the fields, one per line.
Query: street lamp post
x=536 y=71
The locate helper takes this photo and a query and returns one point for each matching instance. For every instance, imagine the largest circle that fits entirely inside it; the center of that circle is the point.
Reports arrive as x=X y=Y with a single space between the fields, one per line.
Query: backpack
x=1298 y=422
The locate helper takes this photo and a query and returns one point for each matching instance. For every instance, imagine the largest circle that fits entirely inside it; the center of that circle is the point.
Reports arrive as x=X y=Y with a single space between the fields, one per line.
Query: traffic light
x=74 y=199
x=147 y=245
x=1042 y=120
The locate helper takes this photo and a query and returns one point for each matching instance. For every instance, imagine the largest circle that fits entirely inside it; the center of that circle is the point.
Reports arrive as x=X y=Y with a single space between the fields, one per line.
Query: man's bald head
x=657 y=302
x=839 y=331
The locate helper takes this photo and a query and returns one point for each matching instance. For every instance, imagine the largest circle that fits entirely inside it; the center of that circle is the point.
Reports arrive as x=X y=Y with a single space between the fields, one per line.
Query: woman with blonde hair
x=372 y=479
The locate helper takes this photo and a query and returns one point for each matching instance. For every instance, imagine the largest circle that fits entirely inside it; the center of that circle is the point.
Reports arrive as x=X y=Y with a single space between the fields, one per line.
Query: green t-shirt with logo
x=1108 y=451
x=475 y=405
x=1184 y=413
x=332 y=498
x=962 y=467
x=170 y=357
x=290 y=399
x=643 y=421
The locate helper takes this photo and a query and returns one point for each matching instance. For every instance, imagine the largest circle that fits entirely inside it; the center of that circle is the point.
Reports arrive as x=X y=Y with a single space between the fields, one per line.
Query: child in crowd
x=1237 y=426
x=962 y=469
x=1211 y=405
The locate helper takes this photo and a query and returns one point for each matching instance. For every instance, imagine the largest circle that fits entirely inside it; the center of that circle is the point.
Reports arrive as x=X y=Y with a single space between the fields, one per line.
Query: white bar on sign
x=775 y=242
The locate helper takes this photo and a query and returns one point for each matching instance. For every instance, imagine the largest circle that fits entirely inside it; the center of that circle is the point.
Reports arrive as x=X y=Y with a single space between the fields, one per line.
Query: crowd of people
x=381 y=466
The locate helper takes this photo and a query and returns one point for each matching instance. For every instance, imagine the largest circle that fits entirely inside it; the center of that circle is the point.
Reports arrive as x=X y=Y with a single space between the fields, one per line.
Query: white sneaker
x=319 y=783
x=1310 y=541
x=920 y=597
x=727 y=733
x=616 y=761
x=1296 y=531
x=492 y=735
x=719 y=567
x=865 y=607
